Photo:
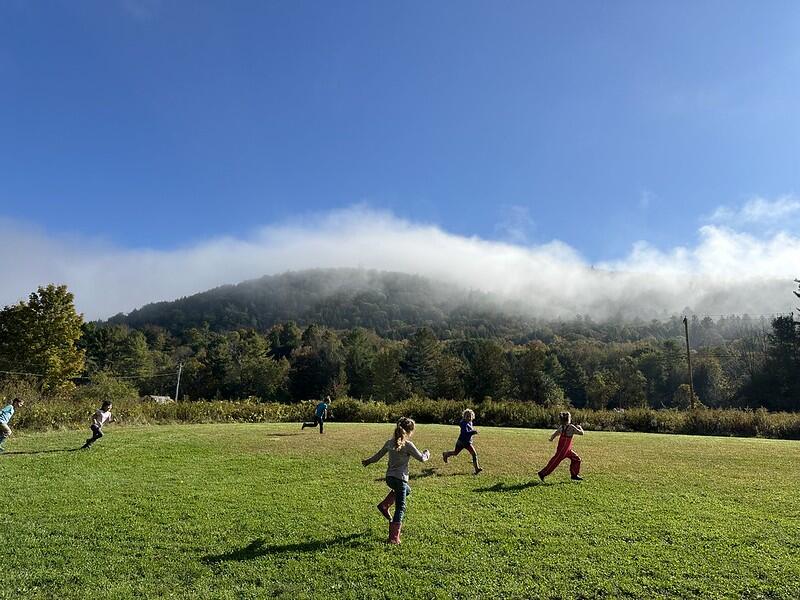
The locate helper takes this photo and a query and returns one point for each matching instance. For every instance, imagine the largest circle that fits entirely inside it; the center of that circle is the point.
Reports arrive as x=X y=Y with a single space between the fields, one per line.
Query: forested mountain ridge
x=736 y=362
x=395 y=305
x=337 y=298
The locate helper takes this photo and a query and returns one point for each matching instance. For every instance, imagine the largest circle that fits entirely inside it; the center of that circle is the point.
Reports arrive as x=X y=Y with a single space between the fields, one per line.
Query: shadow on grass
x=7 y=453
x=517 y=487
x=257 y=549
x=429 y=472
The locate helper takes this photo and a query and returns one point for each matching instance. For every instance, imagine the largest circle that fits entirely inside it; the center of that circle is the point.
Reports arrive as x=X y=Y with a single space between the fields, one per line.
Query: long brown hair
x=402 y=432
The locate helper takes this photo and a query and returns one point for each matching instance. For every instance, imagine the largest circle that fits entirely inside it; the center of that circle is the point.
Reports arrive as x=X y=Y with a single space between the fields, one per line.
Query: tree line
x=45 y=338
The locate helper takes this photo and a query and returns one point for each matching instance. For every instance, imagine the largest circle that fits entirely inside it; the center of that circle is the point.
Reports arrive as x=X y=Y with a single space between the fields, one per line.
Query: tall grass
x=75 y=412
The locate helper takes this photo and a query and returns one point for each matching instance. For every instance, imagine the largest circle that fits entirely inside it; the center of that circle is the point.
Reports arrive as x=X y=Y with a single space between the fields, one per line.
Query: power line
x=22 y=373
x=89 y=378
x=740 y=315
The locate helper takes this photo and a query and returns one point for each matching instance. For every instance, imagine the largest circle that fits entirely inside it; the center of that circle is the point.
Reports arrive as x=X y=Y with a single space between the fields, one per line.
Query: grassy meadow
x=265 y=510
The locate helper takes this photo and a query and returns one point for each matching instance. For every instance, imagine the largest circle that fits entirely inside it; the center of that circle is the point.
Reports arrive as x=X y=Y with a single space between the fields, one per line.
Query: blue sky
x=156 y=125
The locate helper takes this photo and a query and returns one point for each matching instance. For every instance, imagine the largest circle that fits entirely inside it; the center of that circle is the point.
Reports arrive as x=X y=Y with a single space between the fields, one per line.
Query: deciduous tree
x=40 y=336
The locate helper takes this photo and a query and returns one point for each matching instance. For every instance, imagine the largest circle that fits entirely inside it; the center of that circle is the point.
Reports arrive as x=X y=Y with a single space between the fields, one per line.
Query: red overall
x=563 y=451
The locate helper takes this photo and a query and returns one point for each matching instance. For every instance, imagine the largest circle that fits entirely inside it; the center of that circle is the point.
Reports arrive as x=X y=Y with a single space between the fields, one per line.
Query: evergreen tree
x=631 y=385
x=422 y=356
x=318 y=366
x=253 y=371
x=489 y=372
x=780 y=383
x=602 y=388
x=388 y=382
x=360 y=349
x=284 y=338
x=575 y=381
x=450 y=372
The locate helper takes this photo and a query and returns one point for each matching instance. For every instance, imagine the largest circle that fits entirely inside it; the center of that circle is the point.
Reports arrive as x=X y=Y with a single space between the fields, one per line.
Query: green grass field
x=251 y=511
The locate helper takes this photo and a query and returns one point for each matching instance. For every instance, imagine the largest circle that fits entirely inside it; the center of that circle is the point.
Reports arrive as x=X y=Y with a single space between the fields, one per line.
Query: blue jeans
x=401 y=491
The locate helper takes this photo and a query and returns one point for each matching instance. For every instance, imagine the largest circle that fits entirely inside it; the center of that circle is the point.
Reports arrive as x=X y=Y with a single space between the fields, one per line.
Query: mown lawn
x=252 y=511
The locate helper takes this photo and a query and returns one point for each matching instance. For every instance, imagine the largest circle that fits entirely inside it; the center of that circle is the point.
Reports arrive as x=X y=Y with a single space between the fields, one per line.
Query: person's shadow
x=7 y=453
x=502 y=487
x=257 y=549
x=427 y=472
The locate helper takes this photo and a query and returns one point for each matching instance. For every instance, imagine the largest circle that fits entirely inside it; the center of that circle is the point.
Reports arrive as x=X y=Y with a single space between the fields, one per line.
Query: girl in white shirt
x=102 y=415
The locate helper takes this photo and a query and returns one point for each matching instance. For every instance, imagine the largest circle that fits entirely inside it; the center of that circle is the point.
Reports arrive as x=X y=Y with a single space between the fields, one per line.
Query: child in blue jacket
x=5 y=416
x=464 y=441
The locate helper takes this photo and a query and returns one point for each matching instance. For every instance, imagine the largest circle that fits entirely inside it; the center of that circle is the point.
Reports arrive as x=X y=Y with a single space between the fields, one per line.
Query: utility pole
x=178 y=386
x=689 y=360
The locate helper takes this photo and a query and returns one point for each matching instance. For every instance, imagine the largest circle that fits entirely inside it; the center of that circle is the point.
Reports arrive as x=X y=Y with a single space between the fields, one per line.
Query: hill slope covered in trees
x=434 y=343
x=389 y=303
x=394 y=305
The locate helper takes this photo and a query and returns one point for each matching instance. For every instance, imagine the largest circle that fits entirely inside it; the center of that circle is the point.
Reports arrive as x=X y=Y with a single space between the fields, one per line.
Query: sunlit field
x=249 y=511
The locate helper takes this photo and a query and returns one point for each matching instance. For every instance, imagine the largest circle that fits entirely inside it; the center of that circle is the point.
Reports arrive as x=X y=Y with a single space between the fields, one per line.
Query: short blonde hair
x=565 y=417
x=469 y=415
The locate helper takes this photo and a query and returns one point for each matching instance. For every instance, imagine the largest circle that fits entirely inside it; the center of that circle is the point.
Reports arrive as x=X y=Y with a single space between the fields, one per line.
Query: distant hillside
x=389 y=303
x=395 y=305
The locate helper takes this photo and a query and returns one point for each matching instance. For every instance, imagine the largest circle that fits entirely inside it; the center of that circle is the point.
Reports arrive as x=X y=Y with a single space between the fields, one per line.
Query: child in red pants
x=565 y=431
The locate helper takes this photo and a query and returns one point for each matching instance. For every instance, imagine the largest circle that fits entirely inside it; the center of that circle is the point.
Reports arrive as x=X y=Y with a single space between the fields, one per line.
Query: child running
x=102 y=415
x=320 y=414
x=5 y=416
x=464 y=440
x=400 y=449
x=565 y=430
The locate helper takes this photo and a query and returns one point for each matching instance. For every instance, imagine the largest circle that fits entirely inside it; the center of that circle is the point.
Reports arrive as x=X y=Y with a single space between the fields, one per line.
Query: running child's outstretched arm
x=555 y=434
x=420 y=456
x=375 y=457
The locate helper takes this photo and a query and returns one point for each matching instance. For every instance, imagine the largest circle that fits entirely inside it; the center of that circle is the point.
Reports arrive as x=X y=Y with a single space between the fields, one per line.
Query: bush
x=19 y=387
x=54 y=413
x=104 y=387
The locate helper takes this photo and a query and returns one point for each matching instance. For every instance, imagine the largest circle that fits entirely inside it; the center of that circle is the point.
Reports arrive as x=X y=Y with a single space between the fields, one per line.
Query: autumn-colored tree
x=40 y=336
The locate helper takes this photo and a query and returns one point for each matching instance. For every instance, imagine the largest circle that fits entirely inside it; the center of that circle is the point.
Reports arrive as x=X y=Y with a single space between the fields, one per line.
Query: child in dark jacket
x=464 y=441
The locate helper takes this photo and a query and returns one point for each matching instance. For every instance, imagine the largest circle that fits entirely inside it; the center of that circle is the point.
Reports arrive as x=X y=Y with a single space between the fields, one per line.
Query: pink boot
x=384 y=506
x=394 y=533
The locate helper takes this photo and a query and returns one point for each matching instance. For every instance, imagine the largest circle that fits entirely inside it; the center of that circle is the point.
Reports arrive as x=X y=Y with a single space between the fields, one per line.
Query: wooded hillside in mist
x=429 y=345
x=395 y=305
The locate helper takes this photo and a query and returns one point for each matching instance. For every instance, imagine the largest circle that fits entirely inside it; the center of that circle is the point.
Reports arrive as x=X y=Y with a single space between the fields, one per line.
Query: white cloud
x=725 y=272
x=516 y=224
x=758 y=211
